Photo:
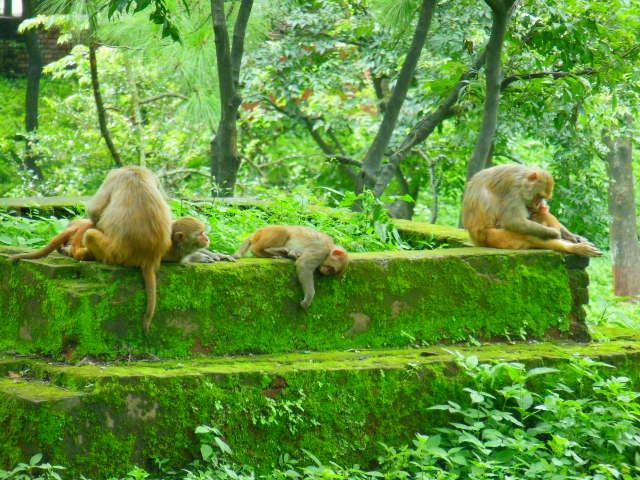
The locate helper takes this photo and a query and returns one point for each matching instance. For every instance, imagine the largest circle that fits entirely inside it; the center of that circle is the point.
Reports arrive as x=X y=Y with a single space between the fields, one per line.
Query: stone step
x=100 y=420
x=59 y=307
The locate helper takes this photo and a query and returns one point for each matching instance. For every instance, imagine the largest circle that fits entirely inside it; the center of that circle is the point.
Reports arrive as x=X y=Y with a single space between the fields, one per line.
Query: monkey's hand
x=207 y=256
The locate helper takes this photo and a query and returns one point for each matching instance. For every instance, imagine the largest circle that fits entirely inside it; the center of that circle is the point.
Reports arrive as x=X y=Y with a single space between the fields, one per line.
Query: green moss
x=68 y=309
x=338 y=405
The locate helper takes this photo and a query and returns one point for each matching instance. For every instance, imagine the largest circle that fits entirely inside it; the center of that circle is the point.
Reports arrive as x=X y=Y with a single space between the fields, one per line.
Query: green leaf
x=223 y=446
x=206 y=451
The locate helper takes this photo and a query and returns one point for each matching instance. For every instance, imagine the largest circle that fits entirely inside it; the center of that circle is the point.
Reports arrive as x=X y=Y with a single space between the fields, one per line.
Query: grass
x=604 y=308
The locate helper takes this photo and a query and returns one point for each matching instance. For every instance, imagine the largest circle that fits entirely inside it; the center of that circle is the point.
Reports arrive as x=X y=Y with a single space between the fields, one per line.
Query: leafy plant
x=576 y=424
x=34 y=470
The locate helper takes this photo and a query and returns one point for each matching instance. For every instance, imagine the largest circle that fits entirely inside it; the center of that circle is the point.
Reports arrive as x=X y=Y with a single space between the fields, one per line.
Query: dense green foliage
x=369 y=229
x=574 y=421
x=314 y=81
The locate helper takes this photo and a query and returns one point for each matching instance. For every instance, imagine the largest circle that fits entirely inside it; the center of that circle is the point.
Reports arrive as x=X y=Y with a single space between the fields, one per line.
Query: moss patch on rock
x=101 y=420
x=67 y=309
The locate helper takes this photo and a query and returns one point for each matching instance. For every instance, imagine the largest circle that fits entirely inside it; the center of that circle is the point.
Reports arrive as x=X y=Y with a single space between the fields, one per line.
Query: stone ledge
x=67 y=309
x=101 y=420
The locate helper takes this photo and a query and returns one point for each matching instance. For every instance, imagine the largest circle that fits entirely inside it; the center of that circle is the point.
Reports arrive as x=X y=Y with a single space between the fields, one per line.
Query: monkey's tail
x=149 y=272
x=244 y=248
x=54 y=244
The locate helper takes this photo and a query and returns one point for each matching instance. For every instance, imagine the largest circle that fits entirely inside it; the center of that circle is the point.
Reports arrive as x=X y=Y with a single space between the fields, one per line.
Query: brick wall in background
x=13 y=51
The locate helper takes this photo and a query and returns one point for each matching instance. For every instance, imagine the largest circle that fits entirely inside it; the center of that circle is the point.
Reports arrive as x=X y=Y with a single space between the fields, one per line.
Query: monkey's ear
x=338 y=252
x=533 y=176
x=178 y=237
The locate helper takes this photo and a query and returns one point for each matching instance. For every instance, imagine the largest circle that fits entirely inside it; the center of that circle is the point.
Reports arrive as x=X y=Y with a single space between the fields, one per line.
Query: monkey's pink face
x=203 y=240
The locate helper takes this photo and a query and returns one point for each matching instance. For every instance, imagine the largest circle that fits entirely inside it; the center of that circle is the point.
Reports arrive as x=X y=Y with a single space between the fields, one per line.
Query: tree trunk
x=625 y=248
x=225 y=160
x=102 y=115
x=425 y=127
x=501 y=12
x=33 y=92
x=373 y=159
x=136 y=114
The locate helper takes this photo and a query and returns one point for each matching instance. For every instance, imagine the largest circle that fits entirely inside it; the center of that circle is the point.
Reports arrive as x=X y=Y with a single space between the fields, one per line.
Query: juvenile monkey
x=309 y=248
x=189 y=243
x=132 y=226
x=541 y=214
x=496 y=211
x=68 y=242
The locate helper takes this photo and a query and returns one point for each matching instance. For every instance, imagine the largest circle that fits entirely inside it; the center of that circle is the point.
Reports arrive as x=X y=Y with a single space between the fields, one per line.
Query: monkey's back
x=136 y=216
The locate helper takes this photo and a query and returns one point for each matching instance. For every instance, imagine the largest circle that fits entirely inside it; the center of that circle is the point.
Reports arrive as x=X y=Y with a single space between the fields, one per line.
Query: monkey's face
x=336 y=262
x=539 y=190
x=202 y=240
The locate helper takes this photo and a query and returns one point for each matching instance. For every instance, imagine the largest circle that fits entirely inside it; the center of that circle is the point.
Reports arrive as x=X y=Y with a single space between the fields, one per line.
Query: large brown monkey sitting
x=497 y=208
x=133 y=226
x=309 y=248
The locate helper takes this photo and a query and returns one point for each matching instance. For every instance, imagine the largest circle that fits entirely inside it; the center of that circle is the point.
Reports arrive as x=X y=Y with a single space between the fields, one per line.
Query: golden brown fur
x=133 y=226
x=187 y=236
x=309 y=248
x=68 y=242
x=497 y=211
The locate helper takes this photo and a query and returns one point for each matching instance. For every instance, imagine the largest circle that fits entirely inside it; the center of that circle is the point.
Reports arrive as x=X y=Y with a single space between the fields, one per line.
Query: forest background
x=327 y=102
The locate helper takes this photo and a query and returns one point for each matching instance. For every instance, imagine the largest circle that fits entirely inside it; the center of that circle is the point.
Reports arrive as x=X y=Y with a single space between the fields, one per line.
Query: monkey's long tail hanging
x=149 y=275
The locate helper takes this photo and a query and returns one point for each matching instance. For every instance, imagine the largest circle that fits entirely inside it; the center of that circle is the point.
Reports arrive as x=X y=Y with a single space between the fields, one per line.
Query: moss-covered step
x=64 y=308
x=101 y=420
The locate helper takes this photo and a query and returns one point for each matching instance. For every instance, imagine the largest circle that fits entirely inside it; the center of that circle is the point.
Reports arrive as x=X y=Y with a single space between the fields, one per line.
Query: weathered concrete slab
x=101 y=420
x=69 y=309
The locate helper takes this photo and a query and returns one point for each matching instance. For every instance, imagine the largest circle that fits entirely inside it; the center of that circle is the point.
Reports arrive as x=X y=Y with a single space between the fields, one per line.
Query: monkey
x=132 y=226
x=189 y=243
x=540 y=213
x=309 y=248
x=68 y=242
x=497 y=205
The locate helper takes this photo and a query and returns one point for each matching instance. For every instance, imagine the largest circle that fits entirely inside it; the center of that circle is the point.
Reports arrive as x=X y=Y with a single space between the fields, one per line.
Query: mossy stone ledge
x=66 y=309
x=102 y=420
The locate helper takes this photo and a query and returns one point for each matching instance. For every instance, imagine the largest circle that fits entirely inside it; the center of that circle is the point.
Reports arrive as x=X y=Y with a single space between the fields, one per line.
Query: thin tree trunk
x=425 y=127
x=625 y=248
x=33 y=92
x=501 y=12
x=373 y=159
x=225 y=160
x=136 y=114
x=102 y=115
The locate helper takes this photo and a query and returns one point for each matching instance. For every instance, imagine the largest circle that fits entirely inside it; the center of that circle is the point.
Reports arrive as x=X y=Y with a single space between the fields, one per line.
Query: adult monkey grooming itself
x=309 y=248
x=133 y=226
x=498 y=206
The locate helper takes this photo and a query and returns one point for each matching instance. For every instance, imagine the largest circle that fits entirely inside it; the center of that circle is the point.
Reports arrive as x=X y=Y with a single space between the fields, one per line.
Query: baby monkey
x=539 y=212
x=309 y=248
